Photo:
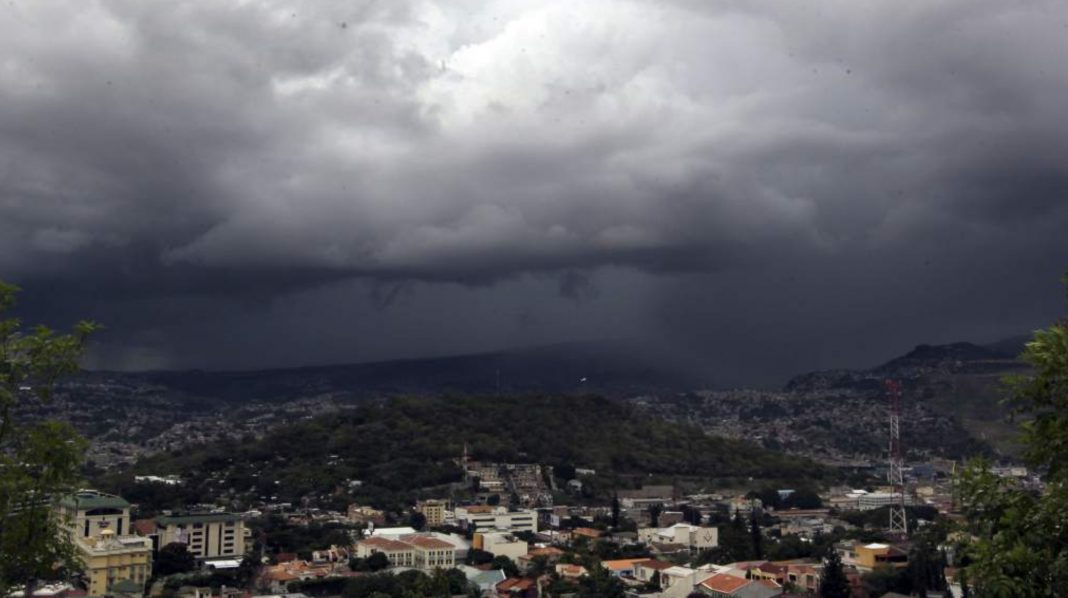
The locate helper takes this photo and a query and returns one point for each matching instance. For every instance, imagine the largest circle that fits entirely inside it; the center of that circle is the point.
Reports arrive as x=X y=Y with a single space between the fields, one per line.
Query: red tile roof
x=386 y=544
x=726 y=584
x=427 y=542
x=144 y=527
x=515 y=583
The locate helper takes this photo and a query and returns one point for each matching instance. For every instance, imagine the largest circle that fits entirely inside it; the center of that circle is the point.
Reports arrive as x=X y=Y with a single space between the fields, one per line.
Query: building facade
x=208 y=536
x=480 y=518
x=433 y=510
x=99 y=525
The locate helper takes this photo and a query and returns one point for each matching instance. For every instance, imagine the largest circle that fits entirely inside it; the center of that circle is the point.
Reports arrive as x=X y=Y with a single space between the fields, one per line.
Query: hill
x=603 y=367
x=951 y=407
x=397 y=446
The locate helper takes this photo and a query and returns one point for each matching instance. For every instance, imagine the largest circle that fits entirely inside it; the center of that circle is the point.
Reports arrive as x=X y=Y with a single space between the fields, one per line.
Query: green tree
x=834 y=583
x=417 y=520
x=377 y=561
x=599 y=583
x=615 y=511
x=173 y=558
x=1021 y=546
x=654 y=514
x=39 y=461
x=505 y=564
x=756 y=536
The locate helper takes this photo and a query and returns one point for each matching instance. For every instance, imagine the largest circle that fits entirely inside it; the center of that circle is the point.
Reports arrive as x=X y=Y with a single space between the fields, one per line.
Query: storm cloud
x=207 y=176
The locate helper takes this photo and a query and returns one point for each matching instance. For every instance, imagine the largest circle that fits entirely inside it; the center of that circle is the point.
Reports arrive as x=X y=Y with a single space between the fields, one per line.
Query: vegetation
x=279 y=535
x=39 y=461
x=173 y=558
x=1020 y=546
x=409 y=584
x=834 y=583
x=405 y=444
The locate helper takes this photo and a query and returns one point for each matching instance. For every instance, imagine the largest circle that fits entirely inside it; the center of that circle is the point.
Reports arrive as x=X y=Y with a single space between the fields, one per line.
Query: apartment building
x=208 y=536
x=433 y=510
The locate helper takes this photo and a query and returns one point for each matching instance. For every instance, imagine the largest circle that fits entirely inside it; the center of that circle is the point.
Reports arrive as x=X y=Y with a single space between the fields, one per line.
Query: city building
x=430 y=552
x=433 y=510
x=683 y=534
x=366 y=515
x=500 y=544
x=99 y=525
x=208 y=536
x=482 y=517
x=426 y=550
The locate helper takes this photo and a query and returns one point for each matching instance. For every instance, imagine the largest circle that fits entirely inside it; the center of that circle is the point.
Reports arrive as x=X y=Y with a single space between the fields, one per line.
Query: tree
x=756 y=536
x=654 y=514
x=599 y=583
x=417 y=520
x=173 y=558
x=615 y=511
x=834 y=583
x=377 y=561
x=39 y=461
x=1021 y=533
x=505 y=564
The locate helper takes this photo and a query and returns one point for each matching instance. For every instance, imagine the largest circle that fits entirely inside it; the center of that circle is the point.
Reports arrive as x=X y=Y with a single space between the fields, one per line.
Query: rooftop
x=93 y=499
x=185 y=518
x=724 y=583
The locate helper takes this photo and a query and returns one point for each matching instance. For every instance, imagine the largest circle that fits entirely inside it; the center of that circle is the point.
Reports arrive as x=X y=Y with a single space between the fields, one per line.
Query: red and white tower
x=899 y=523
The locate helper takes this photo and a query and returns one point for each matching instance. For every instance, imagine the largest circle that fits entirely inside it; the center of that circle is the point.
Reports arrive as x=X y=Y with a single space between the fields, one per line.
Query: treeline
x=404 y=444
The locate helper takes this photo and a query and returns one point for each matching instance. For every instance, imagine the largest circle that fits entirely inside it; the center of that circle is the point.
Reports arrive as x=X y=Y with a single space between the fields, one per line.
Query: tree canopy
x=1020 y=546
x=39 y=460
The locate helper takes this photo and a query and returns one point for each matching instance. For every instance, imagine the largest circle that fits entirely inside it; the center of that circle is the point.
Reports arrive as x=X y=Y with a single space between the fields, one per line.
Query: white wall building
x=480 y=518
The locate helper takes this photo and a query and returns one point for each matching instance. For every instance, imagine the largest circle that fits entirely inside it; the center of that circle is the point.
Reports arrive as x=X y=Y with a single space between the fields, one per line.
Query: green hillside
x=401 y=445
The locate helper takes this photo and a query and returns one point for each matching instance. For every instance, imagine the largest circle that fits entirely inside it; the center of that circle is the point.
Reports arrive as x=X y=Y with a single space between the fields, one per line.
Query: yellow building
x=99 y=524
x=433 y=510
x=208 y=536
x=869 y=556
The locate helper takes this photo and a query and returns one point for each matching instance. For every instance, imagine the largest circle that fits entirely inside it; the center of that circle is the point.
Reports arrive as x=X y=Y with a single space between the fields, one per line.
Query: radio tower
x=899 y=524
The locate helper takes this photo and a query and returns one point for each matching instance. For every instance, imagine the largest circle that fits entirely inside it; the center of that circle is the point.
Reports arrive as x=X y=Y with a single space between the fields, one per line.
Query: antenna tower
x=899 y=523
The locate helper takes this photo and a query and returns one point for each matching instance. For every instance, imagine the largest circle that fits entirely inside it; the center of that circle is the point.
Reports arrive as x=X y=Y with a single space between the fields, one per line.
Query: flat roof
x=184 y=518
x=93 y=499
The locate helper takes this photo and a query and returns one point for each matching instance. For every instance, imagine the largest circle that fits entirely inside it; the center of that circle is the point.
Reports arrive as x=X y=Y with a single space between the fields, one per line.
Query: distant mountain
x=957 y=380
x=605 y=367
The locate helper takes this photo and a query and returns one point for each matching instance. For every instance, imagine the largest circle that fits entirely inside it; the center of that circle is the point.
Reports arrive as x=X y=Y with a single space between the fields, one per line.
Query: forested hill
x=403 y=444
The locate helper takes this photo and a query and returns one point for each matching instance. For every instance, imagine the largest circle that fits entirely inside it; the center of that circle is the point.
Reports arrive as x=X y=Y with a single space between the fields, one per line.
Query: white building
x=501 y=544
x=690 y=536
x=479 y=518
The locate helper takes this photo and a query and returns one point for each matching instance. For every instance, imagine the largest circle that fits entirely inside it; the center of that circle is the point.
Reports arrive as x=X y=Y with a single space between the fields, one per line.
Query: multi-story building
x=400 y=554
x=430 y=552
x=500 y=544
x=422 y=551
x=88 y=512
x=433 y=510
x=479 y=518
x=208 y=536
x=99 y=525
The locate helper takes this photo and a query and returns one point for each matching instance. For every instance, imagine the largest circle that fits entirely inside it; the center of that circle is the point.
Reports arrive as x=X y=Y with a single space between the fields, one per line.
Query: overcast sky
x=766 y=186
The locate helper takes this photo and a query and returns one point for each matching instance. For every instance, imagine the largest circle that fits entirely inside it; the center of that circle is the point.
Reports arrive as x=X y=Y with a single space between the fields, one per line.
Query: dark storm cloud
x=218 y=156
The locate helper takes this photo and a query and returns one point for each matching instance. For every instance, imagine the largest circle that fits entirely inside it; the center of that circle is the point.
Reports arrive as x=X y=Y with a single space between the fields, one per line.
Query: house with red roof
x=724 y=585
